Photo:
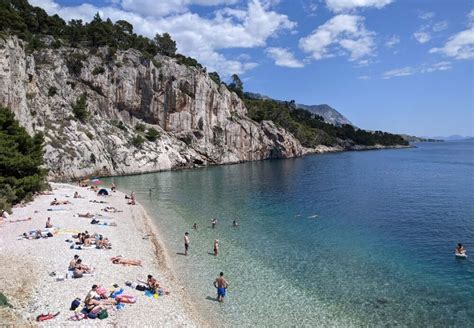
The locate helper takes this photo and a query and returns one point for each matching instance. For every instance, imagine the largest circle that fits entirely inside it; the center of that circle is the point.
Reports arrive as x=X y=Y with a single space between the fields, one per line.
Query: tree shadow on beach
x=210 y=298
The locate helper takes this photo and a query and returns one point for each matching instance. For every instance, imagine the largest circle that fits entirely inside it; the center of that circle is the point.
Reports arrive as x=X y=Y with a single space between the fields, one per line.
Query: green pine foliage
x=311 y=130
x=79 y=108
x=152 y=134
x=21 y=160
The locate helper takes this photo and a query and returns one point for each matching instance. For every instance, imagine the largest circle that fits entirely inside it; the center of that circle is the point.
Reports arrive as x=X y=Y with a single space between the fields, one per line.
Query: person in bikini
x=121 y=260
x=152 y=283
x=216 y=247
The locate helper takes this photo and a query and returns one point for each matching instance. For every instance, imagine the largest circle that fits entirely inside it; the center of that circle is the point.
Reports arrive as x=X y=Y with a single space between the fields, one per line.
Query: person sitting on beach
x=76 y=195
x=113 y=187
x=121 y=260
x=5 y=214
x=48 y=223
x=103 y=243
x=87 y=215
x=460 y=249
x=72 y=264
x=152 y=283
x=82 y=268
x=131 y=202
x=216 y=247
x=94 y=303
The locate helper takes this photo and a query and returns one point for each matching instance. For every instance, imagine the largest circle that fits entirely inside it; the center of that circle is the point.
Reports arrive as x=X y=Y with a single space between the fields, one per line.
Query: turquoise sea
x=348 y=239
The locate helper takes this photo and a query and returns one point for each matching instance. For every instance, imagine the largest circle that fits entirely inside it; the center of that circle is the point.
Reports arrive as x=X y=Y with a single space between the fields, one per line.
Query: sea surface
x=347 y=239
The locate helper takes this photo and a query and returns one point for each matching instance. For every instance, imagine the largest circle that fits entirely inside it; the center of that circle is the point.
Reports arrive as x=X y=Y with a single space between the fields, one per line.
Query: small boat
x=460 y=255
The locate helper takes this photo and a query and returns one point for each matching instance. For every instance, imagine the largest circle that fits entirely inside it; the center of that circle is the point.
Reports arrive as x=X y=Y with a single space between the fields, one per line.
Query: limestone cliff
x=200 y=122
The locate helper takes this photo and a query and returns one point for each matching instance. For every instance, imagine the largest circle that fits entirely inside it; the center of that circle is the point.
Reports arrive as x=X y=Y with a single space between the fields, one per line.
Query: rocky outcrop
x=199 y=122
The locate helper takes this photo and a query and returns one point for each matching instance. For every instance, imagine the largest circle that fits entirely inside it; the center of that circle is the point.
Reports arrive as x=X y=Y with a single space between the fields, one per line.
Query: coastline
x=26 y=264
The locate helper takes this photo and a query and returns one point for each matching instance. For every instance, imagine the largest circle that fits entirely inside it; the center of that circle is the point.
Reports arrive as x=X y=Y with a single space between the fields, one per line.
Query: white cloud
x=341 y=34
x=197 y=36
x=310 y=7
x=283 y=57
x=461 y=44
x=364 y=77
x=422 y=37
x=392 y=41
x=427 y=15
x=348 y=5
x=440 y=26
x=405 y=71
x=425 y=68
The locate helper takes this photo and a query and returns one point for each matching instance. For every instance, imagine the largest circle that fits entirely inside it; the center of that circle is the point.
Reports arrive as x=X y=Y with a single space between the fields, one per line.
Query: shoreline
x=26 y=264
x=321 y=149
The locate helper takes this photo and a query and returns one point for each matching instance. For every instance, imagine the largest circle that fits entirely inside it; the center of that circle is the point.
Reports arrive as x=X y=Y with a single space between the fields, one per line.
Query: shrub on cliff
x=137 y=141
x=21 y=160
x=79 y=108
x=152 y=134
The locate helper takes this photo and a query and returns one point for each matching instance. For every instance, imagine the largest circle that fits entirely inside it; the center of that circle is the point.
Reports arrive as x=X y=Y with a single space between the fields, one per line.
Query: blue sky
x=404 y=66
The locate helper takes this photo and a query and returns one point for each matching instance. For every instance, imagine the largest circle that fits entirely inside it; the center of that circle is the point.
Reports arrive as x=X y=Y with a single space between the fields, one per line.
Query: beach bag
x=141 y=288
x=75 y=304
x=103 y=315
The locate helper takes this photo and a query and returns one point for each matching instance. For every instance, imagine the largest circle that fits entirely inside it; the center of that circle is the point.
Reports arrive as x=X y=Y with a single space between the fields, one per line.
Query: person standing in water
x=213 y=223
x=235 y=224
x=460 y=249
x=221 y=284
x=186 y=243
x=195 y=226
x=216 y=247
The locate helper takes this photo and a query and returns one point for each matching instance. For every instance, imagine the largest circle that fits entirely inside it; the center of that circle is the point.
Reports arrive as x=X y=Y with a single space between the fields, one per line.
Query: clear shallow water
x=379 y=252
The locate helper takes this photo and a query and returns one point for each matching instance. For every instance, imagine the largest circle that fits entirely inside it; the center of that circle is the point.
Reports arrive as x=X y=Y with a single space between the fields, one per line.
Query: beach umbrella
x=96 y=181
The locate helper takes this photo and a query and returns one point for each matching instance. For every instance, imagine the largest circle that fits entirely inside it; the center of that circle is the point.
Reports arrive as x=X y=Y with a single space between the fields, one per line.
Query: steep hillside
x=329 y=114
x=198 y=121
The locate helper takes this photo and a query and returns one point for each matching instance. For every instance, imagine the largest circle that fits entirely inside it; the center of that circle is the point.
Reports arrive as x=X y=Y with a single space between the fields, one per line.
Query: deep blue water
x=355 y=238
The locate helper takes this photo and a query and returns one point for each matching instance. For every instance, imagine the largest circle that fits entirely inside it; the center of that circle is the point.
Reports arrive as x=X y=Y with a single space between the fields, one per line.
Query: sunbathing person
x=103 y=243
x=98 y=201
x=87 y=215
x=72 y=264
x=82 y=268
x=76 y=195
x=94 y=303
x=60 y=202
x=111 y=209
x=124 y=261
x=152 y=283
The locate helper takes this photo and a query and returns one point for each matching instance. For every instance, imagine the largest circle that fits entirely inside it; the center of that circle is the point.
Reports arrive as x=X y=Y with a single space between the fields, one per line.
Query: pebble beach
x=33 y=273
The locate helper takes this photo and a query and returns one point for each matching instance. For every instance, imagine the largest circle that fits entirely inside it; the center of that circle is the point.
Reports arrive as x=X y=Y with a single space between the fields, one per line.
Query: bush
x=152 y=134
x=21 y=160
x=119 y=124
x=79 y=109
x=74 y=63
x=140 y=127
x=98 y=70
x=137 y=141
x=52 y=91
x=156 y=63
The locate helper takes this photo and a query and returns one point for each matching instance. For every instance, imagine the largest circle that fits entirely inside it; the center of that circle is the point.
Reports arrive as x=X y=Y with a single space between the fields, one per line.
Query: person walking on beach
x=186 y=243
x=221 y=284
x=213 y=223
x=216 y=247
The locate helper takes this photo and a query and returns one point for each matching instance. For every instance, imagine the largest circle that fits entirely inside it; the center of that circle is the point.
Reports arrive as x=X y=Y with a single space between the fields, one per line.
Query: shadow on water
x=210 y=298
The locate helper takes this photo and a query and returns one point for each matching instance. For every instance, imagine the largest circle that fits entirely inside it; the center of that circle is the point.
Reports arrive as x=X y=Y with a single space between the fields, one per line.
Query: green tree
x=215 y=77
x=79 y=108
x=21 y=160
x=166 y=45
x=237 y=86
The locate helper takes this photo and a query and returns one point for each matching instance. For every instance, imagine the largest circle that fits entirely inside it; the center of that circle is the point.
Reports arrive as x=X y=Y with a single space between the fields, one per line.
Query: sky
x=403 y=66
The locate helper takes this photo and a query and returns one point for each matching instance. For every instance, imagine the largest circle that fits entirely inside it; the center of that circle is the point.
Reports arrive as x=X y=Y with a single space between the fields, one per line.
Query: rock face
x=199 y=122
x=329 y=114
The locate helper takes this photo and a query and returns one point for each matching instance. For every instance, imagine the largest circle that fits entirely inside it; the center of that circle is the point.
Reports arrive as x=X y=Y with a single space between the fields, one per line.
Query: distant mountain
x=454 y=137
x=329 y=114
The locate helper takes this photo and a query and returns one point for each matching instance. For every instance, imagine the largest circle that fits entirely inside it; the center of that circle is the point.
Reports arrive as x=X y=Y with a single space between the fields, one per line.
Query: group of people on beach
x=220 y=283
